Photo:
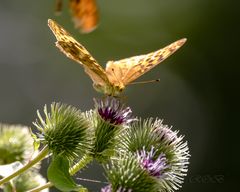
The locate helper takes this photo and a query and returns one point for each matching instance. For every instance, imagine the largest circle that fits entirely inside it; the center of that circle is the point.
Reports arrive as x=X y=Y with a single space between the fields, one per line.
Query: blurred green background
x=198 y=92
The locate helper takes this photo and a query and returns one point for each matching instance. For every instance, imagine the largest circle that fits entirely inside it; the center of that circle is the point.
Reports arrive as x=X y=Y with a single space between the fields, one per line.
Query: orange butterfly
x=84 y=12
x=118 y=74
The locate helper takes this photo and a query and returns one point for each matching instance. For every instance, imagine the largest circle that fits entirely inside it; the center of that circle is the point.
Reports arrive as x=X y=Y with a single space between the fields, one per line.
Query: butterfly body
x=111 y=90
x=118 y=74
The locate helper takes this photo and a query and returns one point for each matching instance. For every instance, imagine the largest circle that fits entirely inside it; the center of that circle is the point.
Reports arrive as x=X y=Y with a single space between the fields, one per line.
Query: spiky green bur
x=104 y=137
x=124 y=173
x=16 y=143
x=64 y=130
x=152 y=133
x=137 y=136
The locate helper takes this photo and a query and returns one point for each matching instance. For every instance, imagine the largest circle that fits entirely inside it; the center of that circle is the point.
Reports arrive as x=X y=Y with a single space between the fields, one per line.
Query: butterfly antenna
x=143 y=82
x=58 y=8
x=91 y=180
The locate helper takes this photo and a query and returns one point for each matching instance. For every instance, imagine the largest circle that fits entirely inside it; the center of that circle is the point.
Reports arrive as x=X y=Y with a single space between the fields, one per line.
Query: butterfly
x=118 y=74
x=84 y=12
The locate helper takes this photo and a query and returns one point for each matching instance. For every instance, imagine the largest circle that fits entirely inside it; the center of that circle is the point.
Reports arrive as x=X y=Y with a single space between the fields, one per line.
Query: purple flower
x=111 y=110
x=154 y=166
x=165 y=133
x=177 y=152
x=107 y=188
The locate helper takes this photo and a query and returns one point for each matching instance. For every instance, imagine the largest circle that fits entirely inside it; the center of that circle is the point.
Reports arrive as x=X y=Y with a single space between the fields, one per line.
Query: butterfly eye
x=120 y=89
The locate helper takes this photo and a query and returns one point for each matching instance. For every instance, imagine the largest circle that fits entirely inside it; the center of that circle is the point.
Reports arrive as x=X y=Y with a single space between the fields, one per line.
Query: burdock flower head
x=125 y=173
x=65 y=130
x=15 y=143
x=136 y=172
x=160 y=150
x=113 y=111
x=154 y=166
x=109 y=119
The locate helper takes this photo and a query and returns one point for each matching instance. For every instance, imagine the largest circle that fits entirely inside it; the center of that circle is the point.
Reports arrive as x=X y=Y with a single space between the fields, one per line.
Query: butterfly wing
x=75 y=51
x=125 y=71
x=85 y=14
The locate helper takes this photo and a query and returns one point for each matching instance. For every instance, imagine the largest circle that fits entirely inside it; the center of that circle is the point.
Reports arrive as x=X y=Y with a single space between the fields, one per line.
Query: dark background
x=198 y=92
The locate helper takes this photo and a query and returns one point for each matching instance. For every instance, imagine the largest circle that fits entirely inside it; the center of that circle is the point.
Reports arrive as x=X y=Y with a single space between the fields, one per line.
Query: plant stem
x=41 y=155
x=86 y=159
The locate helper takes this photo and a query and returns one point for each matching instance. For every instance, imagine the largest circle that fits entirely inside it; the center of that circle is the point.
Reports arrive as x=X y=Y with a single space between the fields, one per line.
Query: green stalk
x=86 y=159
x=41 y=155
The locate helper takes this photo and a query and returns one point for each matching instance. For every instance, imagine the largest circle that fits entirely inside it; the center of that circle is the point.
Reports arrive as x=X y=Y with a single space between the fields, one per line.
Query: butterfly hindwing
x=75 y=51
x=127 y=70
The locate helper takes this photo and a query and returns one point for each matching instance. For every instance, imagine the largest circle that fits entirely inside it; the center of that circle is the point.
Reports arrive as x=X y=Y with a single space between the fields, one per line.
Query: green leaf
x=58 y=174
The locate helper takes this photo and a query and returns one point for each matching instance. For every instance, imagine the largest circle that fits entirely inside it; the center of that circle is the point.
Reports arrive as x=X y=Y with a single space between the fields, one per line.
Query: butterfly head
x=116 y=90
x=109 y=90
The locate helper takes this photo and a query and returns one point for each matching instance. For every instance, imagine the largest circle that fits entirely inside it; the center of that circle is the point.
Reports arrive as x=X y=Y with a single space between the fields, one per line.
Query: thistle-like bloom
x=107 y=188
x=125 y=174
x=154 y=166
x=109 y=119
x=166 y=134
x=15 y=143
x=65 y=130
x=113 y=111
x=171 y=153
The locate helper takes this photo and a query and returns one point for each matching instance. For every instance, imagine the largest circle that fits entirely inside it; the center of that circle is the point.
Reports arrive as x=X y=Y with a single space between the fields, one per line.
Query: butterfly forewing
x=74 y=50
x=129 y=69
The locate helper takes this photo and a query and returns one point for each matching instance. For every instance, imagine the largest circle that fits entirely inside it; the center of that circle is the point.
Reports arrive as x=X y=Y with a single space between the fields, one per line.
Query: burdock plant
x=137 y=155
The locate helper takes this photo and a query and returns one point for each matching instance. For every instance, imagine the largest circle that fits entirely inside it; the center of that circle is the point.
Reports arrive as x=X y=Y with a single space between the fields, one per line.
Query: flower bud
x=64 y=130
